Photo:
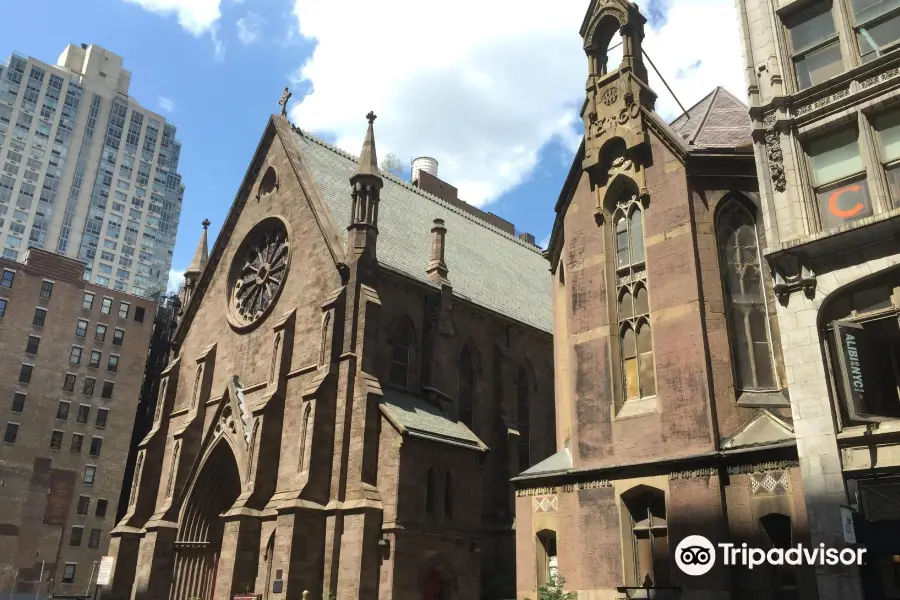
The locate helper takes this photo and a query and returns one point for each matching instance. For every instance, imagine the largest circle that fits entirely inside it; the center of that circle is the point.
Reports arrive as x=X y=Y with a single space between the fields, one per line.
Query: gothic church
x=361 y=368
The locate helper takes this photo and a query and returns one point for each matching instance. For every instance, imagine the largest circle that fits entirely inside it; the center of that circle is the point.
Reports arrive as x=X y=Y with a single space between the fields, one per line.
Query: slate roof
x=420 y=418
x=560 y=462
x=719 y=120
x=488 y=267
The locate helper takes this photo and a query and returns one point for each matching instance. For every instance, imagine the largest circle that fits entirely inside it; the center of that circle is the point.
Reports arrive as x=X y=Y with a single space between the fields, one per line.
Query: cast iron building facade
x=71 y=362
x=824 y=83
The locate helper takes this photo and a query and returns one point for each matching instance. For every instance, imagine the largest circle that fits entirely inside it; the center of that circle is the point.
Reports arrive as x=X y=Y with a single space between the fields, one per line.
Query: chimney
x=437 y=269
x=527 y=238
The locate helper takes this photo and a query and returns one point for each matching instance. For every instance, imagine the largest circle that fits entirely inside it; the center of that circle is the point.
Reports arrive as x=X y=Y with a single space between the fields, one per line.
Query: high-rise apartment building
x=71 y=365
x=86 y=171
x=823 y=79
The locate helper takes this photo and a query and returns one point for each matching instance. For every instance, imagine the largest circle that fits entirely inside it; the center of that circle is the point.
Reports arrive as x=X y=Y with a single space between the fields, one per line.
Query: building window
x=466 y=387
x=90 y=474
x=25 y=373
x=8 y=277
x=118 y=337
x=88 y=302
x=75 y=355
x=448 y=495
x=94 y=539
x=123 y=310
x=40 y=315
x=84 y=504
x=69 y=382
x=62 y=410
x=106 y=306
x=745 y=297
x=863 y=336
x=546 y=556
x=96 y=445
x=523 y=413
x=887 y=130
x=649 y=556
x=77 y=443
x=877 y=25
x=3 y=302
x=814 y=45
x=633 y=305
x=32 y=346
x=400 y=346
x=430 y=484
x=56 y=437
x=95 y=359
x=69 y=573
x=11 y=433
x=778 y=530
x=839 y=177
x=139 y=314
x=75 y=536
x=102 y=416
x=81 y=328
x=18 y=402
x=107 y=390
x=100 y=511
x=46 y=289
x=84 y=411
x=113 y=364
x=100 y=333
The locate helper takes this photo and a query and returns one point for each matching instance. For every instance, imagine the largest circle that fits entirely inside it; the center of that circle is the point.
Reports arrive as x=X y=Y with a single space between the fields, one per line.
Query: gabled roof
x=488 y=267
x=719 y=120
x=419 y=418
x=763 y=428
x=561 y=462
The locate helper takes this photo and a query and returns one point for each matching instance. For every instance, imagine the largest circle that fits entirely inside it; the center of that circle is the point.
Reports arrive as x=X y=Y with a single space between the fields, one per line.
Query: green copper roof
x=487 y=266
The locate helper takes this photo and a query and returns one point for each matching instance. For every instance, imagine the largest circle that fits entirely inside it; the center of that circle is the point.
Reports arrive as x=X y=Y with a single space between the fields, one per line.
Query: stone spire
x=195 y=269
x=437 y=269
x=366 y=184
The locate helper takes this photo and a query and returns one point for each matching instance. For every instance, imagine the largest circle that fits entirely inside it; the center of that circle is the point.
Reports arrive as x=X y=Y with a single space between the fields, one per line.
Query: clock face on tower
x=258 y=272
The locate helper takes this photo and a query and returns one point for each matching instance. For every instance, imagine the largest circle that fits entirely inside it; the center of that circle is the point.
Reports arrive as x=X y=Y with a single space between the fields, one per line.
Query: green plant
x=553 y=589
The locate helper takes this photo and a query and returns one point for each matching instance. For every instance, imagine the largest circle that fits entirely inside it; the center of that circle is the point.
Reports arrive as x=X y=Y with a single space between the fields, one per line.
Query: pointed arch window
x=400 y=347
x=633 y=305
x=745 y=297
x=304 y=431
x=523 y=412
x=649 y=556
x=466 y=386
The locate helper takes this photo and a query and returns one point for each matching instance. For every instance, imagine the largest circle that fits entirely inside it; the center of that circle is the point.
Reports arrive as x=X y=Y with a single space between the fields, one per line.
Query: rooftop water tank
x=423 y=163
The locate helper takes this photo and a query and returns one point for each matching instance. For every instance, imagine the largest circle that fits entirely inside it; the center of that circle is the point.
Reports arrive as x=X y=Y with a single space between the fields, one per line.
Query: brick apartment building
x=361 y=367
x=672 y=412
x=71 y=363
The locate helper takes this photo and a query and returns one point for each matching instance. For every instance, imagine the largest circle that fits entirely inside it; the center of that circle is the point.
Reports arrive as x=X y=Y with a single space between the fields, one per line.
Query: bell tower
x=614 y=99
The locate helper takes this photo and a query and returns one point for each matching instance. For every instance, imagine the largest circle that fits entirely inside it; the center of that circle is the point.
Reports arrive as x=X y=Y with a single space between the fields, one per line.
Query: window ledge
x=851 y=432
x=636 y=408
x=763 y=399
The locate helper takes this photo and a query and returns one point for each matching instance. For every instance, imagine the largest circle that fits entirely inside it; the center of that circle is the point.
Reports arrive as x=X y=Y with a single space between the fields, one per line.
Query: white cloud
x=249 y=27
x=197 y=16
x=483 y=95
x=175 y=280
x=166 y=104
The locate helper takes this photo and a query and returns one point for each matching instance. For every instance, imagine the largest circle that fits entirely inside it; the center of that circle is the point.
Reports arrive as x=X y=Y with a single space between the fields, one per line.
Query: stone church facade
x=673 y=417
x=361 y=367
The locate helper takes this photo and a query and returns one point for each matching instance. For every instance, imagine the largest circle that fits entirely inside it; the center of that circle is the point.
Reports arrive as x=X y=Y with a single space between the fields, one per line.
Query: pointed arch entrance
x=199 y=539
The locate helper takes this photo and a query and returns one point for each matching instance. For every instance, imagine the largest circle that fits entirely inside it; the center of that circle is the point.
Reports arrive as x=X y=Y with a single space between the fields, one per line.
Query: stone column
x=238 y=557
x=359 y=571
x=155 y=564
x=123 y=547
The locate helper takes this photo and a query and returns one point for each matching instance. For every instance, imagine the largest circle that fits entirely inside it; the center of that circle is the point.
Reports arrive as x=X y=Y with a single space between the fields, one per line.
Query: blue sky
x=495 y=98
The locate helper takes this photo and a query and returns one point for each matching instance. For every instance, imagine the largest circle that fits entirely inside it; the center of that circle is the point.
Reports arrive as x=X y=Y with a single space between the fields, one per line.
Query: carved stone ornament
x=793 y=273
x=774 y=154
x=258 y=272
x=775 y=465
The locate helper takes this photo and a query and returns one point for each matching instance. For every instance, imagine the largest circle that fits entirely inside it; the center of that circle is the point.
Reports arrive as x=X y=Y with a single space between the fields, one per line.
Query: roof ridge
x=712 y=102
x=733 y=97
x=439 y=201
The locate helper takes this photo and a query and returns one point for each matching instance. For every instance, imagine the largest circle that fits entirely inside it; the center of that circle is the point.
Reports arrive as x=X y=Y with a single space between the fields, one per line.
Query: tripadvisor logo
x=696 y=555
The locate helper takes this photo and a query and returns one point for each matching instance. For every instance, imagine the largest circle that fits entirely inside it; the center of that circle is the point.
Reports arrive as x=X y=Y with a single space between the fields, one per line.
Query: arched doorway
x=199 y=539
x=433 y=586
